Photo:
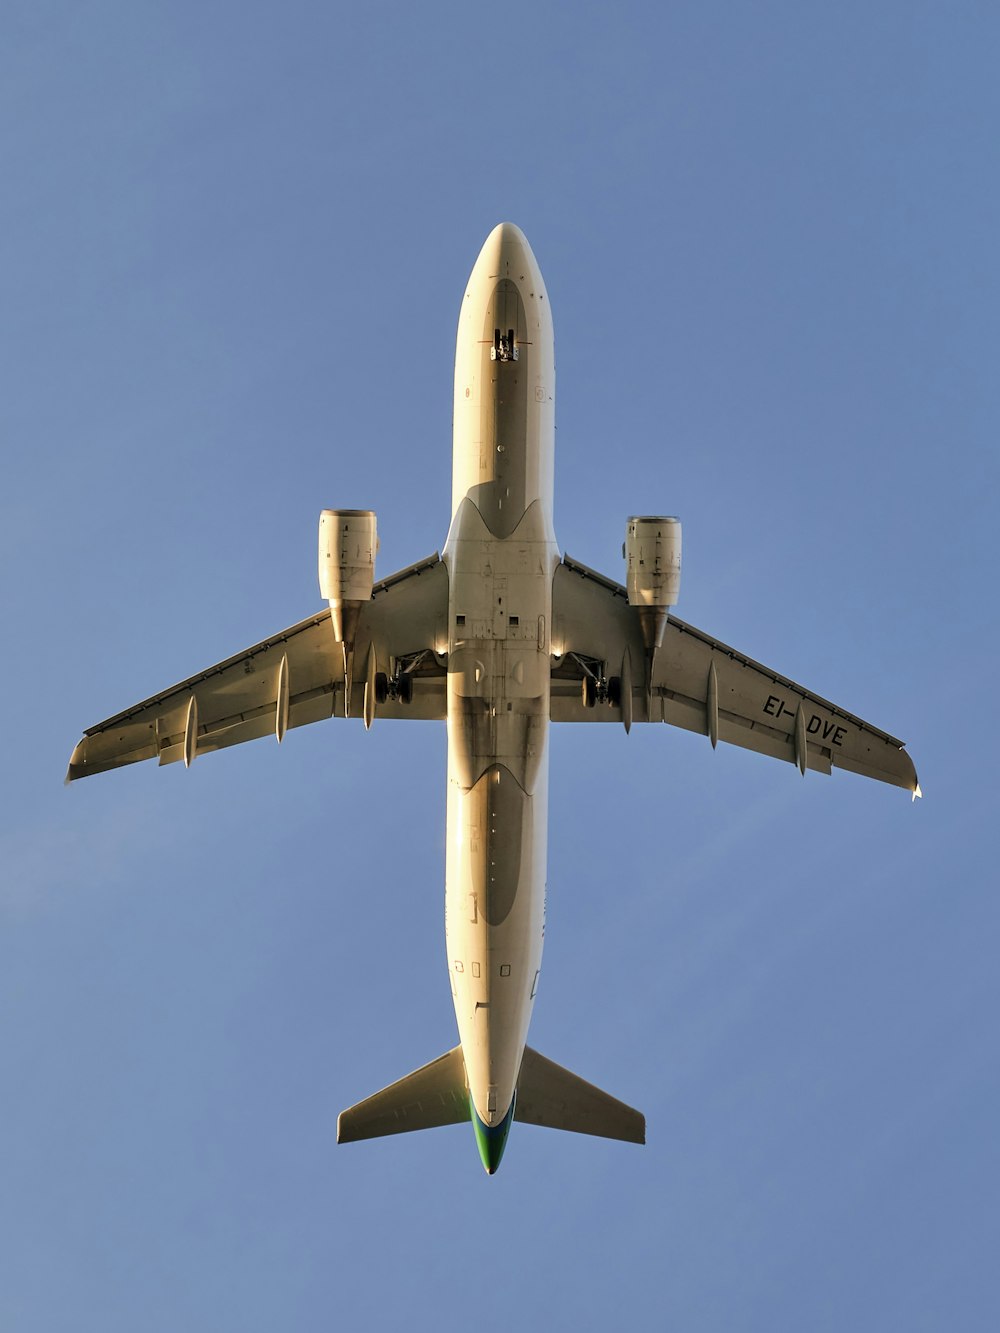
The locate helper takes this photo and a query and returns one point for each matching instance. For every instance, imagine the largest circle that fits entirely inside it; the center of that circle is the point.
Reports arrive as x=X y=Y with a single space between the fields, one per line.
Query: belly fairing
x=498 y=661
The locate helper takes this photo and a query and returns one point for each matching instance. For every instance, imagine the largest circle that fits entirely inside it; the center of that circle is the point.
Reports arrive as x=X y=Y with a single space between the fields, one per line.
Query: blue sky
x=235 y=242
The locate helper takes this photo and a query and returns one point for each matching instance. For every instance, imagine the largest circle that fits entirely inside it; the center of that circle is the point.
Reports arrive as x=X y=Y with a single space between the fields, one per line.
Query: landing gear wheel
x=588 y=691
x=381 y=687
x=615 y=691
x=404 y=689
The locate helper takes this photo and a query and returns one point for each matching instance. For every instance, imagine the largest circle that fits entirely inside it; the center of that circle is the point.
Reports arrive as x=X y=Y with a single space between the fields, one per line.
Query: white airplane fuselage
x=501 y=556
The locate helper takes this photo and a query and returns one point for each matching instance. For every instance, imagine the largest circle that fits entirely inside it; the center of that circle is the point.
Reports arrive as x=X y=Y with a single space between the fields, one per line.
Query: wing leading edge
x=698 y=683
x=289 y=680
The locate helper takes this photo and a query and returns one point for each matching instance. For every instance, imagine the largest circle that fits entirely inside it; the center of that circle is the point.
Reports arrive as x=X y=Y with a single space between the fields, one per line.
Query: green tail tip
x=491 y=1139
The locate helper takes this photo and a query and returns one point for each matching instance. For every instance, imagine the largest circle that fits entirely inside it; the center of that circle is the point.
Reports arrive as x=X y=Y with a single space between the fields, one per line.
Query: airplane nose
x=506 y=252
x=507 y=236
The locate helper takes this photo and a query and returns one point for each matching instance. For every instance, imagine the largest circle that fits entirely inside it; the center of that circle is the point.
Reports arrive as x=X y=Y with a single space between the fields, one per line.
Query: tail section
x=548 y=1094
x=437 y=1094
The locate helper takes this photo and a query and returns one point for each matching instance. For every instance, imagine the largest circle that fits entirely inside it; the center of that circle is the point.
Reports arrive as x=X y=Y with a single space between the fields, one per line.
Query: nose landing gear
x=504 y=347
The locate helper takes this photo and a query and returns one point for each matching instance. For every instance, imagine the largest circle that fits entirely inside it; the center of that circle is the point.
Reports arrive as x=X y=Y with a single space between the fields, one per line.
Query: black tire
x=588 y=691
x=381 y=687
x=404 y=689
x=615 y=691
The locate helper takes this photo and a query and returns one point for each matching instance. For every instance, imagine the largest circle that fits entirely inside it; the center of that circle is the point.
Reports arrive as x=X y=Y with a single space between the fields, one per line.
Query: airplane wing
x=289 y=680
x=702 y=685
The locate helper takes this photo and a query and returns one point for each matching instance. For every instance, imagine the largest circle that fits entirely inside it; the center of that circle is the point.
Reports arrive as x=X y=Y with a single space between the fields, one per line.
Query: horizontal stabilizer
x=549 y=1095
x=433 y=1095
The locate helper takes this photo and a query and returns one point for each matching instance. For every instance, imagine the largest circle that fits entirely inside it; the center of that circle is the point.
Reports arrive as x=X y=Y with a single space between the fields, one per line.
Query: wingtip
x=74 y=769
x=917 y=793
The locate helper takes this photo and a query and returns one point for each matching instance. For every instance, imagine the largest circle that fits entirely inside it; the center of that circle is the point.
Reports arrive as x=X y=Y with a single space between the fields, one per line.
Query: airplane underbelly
x=500 y=593
x=494 y=918
x=501 y=557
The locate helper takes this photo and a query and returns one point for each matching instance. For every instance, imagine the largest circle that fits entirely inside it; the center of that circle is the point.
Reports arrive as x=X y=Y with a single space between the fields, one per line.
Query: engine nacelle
x=652 y=553
x=348 y=543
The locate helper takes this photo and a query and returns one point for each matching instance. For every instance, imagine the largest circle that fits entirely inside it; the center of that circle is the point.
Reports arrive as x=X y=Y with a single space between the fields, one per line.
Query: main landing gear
x=398 y=688
x=600 y=689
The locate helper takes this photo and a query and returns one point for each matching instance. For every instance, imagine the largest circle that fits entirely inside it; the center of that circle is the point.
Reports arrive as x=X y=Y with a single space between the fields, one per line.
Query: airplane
x=499 y=636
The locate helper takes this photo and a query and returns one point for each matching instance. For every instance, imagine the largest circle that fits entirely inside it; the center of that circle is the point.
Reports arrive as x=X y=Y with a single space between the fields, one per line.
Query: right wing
x=703 y=685
x=296 y=677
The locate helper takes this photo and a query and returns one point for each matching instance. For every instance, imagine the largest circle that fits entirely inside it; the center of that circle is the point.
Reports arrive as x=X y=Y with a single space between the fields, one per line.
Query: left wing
x=702 y=685
x=289 y=680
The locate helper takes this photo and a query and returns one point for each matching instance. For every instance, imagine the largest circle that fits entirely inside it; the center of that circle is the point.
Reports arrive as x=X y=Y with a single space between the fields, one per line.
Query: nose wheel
x=504 y=347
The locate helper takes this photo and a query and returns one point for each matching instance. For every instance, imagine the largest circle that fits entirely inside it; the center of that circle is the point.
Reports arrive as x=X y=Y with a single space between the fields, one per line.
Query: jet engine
x=348 y=543
x=652 y=554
